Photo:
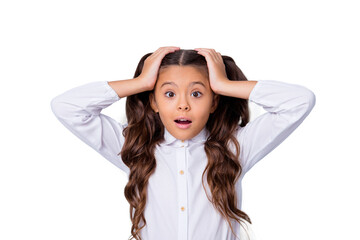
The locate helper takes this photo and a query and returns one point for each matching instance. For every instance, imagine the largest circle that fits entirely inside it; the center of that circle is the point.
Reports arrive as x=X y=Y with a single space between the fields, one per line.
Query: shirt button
x=181 y=172
x=182 y=140
x=182 y=146
x=182 y=209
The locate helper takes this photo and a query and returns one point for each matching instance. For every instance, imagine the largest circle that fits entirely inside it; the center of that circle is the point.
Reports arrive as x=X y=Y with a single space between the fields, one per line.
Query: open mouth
x=183 y=121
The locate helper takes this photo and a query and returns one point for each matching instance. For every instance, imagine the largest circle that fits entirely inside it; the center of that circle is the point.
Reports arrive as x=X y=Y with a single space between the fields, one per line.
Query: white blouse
x=177 y=206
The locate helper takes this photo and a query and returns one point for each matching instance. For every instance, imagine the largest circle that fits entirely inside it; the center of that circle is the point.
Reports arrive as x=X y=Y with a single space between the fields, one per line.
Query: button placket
x=182 y=191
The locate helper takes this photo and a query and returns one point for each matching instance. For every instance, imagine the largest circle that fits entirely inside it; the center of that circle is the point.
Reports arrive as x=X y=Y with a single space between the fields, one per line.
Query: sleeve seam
x=111 y=92
x=253 y=91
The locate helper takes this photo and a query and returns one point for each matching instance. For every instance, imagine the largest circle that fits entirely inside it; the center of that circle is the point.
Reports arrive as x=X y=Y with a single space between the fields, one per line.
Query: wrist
x=143 y=83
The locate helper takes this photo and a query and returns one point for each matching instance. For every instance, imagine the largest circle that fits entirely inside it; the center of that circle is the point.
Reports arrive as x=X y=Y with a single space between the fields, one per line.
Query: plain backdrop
x=53 y=186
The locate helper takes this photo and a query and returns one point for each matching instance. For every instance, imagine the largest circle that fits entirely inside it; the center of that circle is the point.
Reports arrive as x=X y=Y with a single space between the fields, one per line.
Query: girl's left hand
x=216 y=67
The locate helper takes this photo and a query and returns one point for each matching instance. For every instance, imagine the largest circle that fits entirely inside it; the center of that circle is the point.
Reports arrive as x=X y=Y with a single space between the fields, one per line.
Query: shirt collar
x=200 y=137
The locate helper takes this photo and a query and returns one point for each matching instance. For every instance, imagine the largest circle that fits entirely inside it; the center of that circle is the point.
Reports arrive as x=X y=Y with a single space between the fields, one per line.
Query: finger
x=210 y=53
x=167 y=50
x=208 y=50
x=216 y=55
x=202 y=48
x=207 y=55
x=219 y=57
x=162 y=51
x=203 y=52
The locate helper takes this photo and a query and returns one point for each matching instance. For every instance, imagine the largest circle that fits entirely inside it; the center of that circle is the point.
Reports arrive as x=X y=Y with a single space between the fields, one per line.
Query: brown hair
x=145 y=130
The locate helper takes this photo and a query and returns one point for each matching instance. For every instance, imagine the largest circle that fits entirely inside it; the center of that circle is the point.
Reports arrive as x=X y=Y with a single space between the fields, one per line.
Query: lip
x=183 y=126
x=183 y=117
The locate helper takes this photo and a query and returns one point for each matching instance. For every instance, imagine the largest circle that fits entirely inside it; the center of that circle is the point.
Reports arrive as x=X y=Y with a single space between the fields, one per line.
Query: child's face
x=181 y=98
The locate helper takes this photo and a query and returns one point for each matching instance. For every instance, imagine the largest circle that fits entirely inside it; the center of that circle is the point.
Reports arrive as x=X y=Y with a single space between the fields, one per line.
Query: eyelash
x=193 y=92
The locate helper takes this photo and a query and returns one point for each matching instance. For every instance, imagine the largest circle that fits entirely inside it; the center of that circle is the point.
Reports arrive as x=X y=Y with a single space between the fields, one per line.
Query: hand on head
x=215 y=64
x=152 y=63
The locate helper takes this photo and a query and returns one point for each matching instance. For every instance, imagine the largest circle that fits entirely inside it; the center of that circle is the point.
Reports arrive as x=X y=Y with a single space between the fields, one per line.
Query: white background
x=53 y=186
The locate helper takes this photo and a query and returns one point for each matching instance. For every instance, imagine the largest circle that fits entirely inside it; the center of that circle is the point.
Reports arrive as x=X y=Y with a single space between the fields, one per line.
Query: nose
x=183 y=105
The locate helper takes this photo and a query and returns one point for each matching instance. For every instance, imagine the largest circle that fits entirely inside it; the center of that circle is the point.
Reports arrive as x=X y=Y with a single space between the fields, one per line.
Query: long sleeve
x=79 y=110
x=287 y=106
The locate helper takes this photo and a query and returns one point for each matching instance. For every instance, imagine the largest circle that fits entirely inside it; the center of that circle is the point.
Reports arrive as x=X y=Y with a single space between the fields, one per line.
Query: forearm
x=128 y=87
x=286 y=106
x=238 y=89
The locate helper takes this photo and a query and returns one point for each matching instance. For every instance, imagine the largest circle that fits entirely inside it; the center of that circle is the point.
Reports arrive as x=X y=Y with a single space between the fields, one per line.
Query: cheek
x=202 y=109
x=165 y=105
x=166 y=110
x=206 y=104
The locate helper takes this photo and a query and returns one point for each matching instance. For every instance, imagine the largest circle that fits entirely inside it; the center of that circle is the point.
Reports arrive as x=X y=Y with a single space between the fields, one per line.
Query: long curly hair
x=145 y=130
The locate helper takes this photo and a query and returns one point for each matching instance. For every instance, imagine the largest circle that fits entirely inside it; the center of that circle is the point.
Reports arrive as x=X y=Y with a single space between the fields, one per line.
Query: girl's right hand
x=151 y=66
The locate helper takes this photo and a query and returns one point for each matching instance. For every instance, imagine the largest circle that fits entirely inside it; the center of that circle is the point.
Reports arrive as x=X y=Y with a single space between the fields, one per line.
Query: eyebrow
x=192 y=83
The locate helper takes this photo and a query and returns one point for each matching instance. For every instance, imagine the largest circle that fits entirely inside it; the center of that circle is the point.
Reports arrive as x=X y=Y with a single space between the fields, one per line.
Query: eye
x=197 y=92
x=169 y=92
x=172 y=94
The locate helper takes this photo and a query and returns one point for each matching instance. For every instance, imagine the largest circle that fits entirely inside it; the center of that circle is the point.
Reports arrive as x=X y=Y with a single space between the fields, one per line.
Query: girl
x=188 y=142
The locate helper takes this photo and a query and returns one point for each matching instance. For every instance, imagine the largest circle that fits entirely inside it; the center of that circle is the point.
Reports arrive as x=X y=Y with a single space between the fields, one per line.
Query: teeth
x=183 y=120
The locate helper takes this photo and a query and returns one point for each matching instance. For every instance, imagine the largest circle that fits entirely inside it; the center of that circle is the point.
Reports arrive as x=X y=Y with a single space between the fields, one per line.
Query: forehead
x=179 y=74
